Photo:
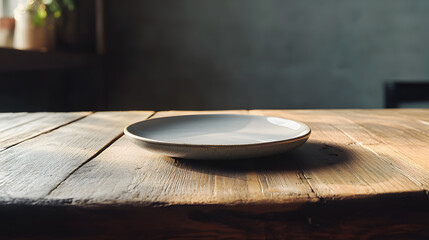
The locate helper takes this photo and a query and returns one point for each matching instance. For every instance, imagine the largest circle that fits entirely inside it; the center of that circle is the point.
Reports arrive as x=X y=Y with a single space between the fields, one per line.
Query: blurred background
x=71 y=55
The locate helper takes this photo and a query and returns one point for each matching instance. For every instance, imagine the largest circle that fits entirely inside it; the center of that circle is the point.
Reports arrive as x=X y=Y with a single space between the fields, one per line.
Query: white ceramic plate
x=218 y=136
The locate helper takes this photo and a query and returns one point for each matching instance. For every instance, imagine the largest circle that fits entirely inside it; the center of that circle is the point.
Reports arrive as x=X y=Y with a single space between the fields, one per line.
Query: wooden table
x=363 y=174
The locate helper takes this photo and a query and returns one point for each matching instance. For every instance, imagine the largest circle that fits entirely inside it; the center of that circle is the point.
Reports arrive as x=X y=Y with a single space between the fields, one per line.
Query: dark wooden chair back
x=396 y=93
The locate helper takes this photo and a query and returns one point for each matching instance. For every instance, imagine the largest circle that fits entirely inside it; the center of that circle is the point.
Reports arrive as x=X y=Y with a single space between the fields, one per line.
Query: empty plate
x=218 y=136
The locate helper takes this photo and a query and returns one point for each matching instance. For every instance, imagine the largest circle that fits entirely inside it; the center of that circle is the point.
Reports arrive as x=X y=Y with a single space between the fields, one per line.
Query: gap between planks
x=44 y=132
x=92 y=157
x=33 y=168
x=261 y=187
x=304 y=179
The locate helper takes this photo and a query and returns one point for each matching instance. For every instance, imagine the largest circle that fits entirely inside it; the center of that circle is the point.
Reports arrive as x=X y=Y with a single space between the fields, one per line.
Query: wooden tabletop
x=361 y=173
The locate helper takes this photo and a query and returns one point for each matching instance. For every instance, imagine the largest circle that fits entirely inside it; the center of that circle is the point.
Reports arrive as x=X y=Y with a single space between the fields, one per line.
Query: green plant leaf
x=39 y=16
x=69 y=4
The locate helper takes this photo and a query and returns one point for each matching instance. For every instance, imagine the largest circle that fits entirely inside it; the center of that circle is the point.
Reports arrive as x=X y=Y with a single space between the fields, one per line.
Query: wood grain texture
x=352 y=170
x=386 y=217
x=401 y=139
x=32 y=169
x=126 y=173
x=363 y=174
x=177 y=113
x=15 y=120
x=25 y=126
x=343 y=159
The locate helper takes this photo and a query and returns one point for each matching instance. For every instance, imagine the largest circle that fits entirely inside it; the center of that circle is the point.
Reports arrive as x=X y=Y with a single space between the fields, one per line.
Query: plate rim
x=152 y=141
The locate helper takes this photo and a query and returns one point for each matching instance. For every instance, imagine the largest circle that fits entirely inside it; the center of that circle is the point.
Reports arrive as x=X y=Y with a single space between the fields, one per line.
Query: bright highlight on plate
x=218 y=136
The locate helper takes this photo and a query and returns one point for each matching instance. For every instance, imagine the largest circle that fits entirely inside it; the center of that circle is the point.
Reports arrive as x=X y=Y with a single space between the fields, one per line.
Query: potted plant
x=7 y=26
x=35 y=23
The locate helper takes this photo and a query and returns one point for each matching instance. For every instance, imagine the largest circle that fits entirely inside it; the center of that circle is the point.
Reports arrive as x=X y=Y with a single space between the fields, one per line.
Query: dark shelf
x=23 y=60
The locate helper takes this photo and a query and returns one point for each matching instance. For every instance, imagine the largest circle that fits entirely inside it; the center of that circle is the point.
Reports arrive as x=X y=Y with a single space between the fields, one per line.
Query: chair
x=397 y=93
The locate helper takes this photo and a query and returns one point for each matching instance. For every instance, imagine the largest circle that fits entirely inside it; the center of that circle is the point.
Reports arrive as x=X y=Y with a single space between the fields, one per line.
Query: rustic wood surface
x=362 y=173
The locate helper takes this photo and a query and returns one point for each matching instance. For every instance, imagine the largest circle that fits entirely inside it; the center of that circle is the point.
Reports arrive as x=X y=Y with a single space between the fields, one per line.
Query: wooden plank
x=397 y=216
x=348 y=170
x=177 y=113
x=21 y=132
x=126 y=173
x=32 y=169
x=8 y=114
x=14 y=120
x=419 y=114
x=348 y=156
x=396 y=136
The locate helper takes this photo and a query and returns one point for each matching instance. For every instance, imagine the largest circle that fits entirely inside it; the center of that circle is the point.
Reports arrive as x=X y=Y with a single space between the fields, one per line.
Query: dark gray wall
x=216 y=54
